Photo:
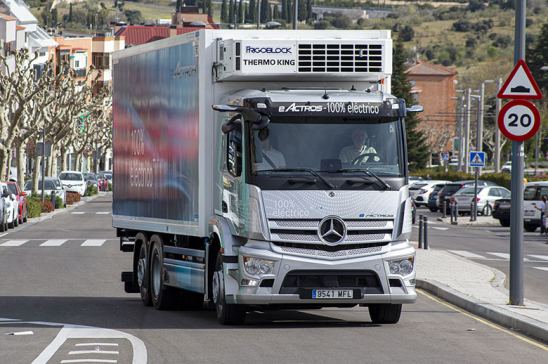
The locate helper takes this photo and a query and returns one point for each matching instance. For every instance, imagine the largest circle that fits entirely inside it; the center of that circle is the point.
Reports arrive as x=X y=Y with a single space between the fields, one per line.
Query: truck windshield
x=329 y=146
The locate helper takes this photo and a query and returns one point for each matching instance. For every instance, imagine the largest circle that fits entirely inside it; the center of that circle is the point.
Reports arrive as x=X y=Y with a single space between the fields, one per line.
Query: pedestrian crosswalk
x=90 y=213
x=529 y=258
x=55 y=242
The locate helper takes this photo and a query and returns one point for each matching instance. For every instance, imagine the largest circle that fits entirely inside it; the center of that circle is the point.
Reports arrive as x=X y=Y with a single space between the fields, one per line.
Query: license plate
x=332 y=293
x=529 y=213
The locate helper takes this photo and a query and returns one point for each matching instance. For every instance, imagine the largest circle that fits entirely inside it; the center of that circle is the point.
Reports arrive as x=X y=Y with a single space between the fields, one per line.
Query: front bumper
x=393 y=289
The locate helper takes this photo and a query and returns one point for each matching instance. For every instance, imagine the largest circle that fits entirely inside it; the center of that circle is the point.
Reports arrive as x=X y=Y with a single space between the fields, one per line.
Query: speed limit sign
x=519 y=120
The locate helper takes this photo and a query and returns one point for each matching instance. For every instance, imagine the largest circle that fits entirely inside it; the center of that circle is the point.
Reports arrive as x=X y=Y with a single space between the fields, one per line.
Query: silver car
x=485 y=199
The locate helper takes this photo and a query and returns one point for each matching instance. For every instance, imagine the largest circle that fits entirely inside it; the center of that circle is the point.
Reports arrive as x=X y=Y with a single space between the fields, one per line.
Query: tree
x=289 y=11
x=70 y=13
x=537 y=57
x=241 y=18
x=251 y=16
x=276 y=12
x=264 y=11
x=302 y=10
x=231 y=12
x=309 y=13
x=284 y=9
x=224 y=12
x=407 y=33
x=417 y=148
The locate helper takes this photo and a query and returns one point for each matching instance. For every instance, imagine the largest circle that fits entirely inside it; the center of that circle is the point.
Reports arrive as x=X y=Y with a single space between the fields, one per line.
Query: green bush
x=47 y=206
x=110 y=187
x=91 y=190
x=34 y=207
x=58 y=202
x=501 y=179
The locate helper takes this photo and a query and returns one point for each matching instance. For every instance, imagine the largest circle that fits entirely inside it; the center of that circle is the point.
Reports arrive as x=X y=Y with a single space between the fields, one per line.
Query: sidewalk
x=46 y=216
x=478 y=289
x=436 y=217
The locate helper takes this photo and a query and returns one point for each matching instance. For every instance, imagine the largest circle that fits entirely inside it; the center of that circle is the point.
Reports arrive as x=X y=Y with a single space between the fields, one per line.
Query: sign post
x=477 y=160
x=518 y=120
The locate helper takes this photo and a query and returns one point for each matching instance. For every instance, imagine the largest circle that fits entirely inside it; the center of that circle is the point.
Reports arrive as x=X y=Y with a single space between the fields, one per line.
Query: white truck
x=263 y=169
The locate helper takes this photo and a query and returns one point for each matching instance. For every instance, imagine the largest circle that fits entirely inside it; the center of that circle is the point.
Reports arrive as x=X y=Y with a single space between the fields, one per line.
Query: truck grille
x=305 y=231
x=360 y=58
x=296 y=281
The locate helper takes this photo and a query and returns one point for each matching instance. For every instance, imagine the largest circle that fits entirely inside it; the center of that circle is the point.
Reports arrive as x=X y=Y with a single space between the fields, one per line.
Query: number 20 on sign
x=519 y=120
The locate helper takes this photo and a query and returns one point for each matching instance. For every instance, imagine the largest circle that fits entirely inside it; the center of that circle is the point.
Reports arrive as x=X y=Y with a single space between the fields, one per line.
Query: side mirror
x=415 y=108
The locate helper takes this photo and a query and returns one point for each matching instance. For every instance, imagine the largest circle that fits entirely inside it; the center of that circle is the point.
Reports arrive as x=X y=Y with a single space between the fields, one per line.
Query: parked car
x=507 y=167
x=485 y=199
x=91 y=180
x=11 y=205
x=73 y=181
x=532 y=195
x=420 y=191
x=52 y=184
x=451 y=188
x=433 y=197
x=4 y=209
x=20 y=197
x=501 y=211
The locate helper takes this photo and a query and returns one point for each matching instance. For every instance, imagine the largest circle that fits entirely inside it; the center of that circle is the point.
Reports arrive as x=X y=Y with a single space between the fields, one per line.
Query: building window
x=101 y=61
x=76 y=64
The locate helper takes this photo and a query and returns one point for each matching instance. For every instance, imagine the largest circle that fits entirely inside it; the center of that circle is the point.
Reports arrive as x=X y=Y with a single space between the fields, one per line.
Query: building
x=74 y=53
x=434 y=87
x=36 y=38
x=12 y=38
x=102 y=49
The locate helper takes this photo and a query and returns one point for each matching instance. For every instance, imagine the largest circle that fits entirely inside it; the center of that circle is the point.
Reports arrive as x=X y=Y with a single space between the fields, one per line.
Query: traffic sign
x=477 y=159
x=519 y=120
x=520 y=85
x=445 y=156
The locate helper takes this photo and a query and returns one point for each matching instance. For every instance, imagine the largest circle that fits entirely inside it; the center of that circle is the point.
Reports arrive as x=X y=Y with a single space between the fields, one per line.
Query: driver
x=351 y=152
x=272 y=158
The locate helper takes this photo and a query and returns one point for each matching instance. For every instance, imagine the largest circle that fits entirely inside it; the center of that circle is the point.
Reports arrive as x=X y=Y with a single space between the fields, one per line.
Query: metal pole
x=479 y=130
x=537 y=140
x=258 y=14
x=467 y=130
x=420 y=231
x=497 y=133
x=425 y=232
x=460 y=111
x=475 y=202
x=296 y=14
x=516 y=212
x=43 y=161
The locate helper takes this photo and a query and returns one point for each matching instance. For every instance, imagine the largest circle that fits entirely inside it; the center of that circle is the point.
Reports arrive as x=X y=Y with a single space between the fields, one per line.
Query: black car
x=501 y=211
x=451 y=188
x=433 y=197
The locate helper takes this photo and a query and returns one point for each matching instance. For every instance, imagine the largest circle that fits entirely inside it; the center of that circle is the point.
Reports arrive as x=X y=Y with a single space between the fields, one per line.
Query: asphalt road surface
x=61 y=295
x=490 y=245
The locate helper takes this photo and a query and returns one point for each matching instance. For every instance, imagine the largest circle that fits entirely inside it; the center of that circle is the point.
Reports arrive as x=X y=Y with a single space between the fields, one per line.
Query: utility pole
x=460 y=113
x=479 y=129
x=468 y=96
x=43 y=162
x=295 y=14
x=516 y=210
x=497 y=132
x=258 y=14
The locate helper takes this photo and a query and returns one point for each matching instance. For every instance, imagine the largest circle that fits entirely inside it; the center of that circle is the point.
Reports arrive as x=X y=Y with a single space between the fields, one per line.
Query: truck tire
x=143 y=275
x=504 y=222
x=385 y=313
x=530 y=228
x=163 y=297
x=227 y=314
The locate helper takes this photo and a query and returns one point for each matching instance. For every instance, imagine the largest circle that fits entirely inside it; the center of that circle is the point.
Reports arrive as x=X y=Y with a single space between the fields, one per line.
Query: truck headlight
x=402 y=267
x=256 y=266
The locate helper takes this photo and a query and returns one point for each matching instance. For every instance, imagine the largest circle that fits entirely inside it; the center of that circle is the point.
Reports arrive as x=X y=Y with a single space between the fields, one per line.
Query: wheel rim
x=141 y=265
x=156 y=274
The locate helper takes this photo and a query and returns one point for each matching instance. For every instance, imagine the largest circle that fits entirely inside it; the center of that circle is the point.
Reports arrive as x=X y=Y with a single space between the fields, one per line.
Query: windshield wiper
x=308 y=170
x=369 y=173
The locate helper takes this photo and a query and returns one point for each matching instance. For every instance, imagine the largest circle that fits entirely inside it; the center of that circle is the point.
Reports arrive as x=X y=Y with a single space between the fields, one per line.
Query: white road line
x=4 y=234
x=77 y=213
x=541 y=257
x=97 y=344
x=93 y=242
x=506 y=256
x=80 y=352
x=89 y=361
x=54 y=242
x=542 y=268
x=440 y=228
x=14 y=243
x=467 y=254
x=102 y=213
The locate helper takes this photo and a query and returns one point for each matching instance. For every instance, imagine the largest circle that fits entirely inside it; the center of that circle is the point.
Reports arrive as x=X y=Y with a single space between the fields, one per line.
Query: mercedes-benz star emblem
x=332 y=230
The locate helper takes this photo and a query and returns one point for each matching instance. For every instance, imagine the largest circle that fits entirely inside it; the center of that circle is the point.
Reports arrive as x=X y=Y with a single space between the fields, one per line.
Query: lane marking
x=485 y=322
x=4 y=234
x=541 y=257
x=506 y=256
x=80 y=352
x=102 y=213
x=89 y=361
x=97 y=344
x=467 y=254
x=93 y=242
x=54 y=242
x=14 y=243
x=77 y=213
x=542 y=268
x=440 y=228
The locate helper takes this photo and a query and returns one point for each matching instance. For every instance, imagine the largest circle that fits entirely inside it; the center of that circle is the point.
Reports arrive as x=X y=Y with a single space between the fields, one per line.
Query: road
x=490 y=245
x=65 y=271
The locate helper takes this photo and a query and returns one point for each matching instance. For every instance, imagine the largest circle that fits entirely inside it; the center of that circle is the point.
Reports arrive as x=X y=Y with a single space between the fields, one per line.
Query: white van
x=532 y=195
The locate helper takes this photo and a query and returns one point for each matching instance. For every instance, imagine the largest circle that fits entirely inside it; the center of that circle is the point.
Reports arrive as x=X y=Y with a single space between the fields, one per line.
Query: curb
x=501 y=316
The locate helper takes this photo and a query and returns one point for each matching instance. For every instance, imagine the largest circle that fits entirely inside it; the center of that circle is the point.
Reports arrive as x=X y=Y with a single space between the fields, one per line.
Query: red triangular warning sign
x=520 y=84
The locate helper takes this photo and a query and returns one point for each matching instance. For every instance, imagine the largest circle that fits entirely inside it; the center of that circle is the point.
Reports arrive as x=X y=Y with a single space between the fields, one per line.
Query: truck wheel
x=143 y=276
x=530 y=228
x=227 y=314
x=504 y=223
x=433 y=209
x=385 y=313
x=163 y=297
